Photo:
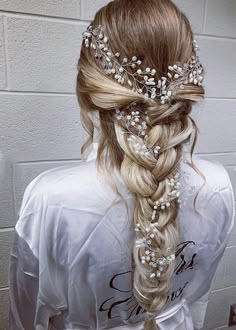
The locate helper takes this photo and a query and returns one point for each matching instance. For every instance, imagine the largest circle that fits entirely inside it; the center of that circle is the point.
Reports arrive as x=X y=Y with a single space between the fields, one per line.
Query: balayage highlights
x=159 y=34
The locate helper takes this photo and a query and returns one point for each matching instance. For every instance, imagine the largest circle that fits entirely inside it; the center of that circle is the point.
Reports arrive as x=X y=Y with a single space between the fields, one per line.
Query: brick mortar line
x=230 y=247
x=49 y=18
x=216 y=37
x=204 y=17
x=217 y=153
x=6 y=229
x=4 y=289
x=5 y=40
x=80 y=8
x=225 y=288
x=14 y=194
x=47 y=161
x=233 y=246
x=220 y=98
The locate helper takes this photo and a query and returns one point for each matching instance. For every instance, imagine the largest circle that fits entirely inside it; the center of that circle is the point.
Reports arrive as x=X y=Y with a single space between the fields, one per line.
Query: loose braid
x=147 y=177
x=160 y=35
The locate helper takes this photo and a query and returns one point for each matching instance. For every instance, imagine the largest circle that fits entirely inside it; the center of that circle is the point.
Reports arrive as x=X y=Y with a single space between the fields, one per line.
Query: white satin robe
x=71 y=260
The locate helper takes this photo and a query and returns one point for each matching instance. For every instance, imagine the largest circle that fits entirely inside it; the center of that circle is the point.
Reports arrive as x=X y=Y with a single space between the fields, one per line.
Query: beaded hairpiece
x=150 y=257
x=136 y=127
x=142 y=81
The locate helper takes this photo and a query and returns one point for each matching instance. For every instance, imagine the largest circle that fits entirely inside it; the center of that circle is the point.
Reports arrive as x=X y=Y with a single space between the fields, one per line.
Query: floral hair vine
x=136 y=128
x=150 y=257
x=164 y=89
x=143 y=81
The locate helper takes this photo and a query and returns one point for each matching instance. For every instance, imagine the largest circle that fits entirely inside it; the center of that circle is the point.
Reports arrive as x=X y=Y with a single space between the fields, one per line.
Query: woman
x=132 y=236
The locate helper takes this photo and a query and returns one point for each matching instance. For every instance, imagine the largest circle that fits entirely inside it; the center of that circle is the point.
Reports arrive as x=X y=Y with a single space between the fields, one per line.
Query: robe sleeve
x=221 y=211
x=36 y=281
x=23 y=282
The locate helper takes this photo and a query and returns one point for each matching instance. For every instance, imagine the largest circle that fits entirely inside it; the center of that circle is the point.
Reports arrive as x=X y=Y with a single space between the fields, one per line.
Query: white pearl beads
x=143 y=81
x=133 y=119
x=149 y=257
x=158 y=263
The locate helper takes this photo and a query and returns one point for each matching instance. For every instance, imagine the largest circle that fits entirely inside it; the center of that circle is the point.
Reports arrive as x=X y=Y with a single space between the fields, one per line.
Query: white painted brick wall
x=40 y=126
x=53 y=8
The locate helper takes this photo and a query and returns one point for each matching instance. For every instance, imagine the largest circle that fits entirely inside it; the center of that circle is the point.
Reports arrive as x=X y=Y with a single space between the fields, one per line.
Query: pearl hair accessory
x=133 y=121
x=143 y=81
x=158 y=264
x=128 y=73
x=136 y=128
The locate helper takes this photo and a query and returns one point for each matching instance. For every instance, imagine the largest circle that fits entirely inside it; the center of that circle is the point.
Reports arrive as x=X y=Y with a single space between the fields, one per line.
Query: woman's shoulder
x=216 y=197
x=207 y=217
x=75 y=186
x=212 y=172
x=207 y=185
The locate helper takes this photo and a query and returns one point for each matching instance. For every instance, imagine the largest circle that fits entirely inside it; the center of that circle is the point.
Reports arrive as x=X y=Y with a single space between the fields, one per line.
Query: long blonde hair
x=159 y=34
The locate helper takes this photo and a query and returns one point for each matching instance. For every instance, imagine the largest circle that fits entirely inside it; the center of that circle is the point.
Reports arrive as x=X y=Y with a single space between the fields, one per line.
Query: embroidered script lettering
x=126 y=300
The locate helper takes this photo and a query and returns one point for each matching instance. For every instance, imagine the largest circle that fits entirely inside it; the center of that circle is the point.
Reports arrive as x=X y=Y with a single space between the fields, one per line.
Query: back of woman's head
x=159 y=35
